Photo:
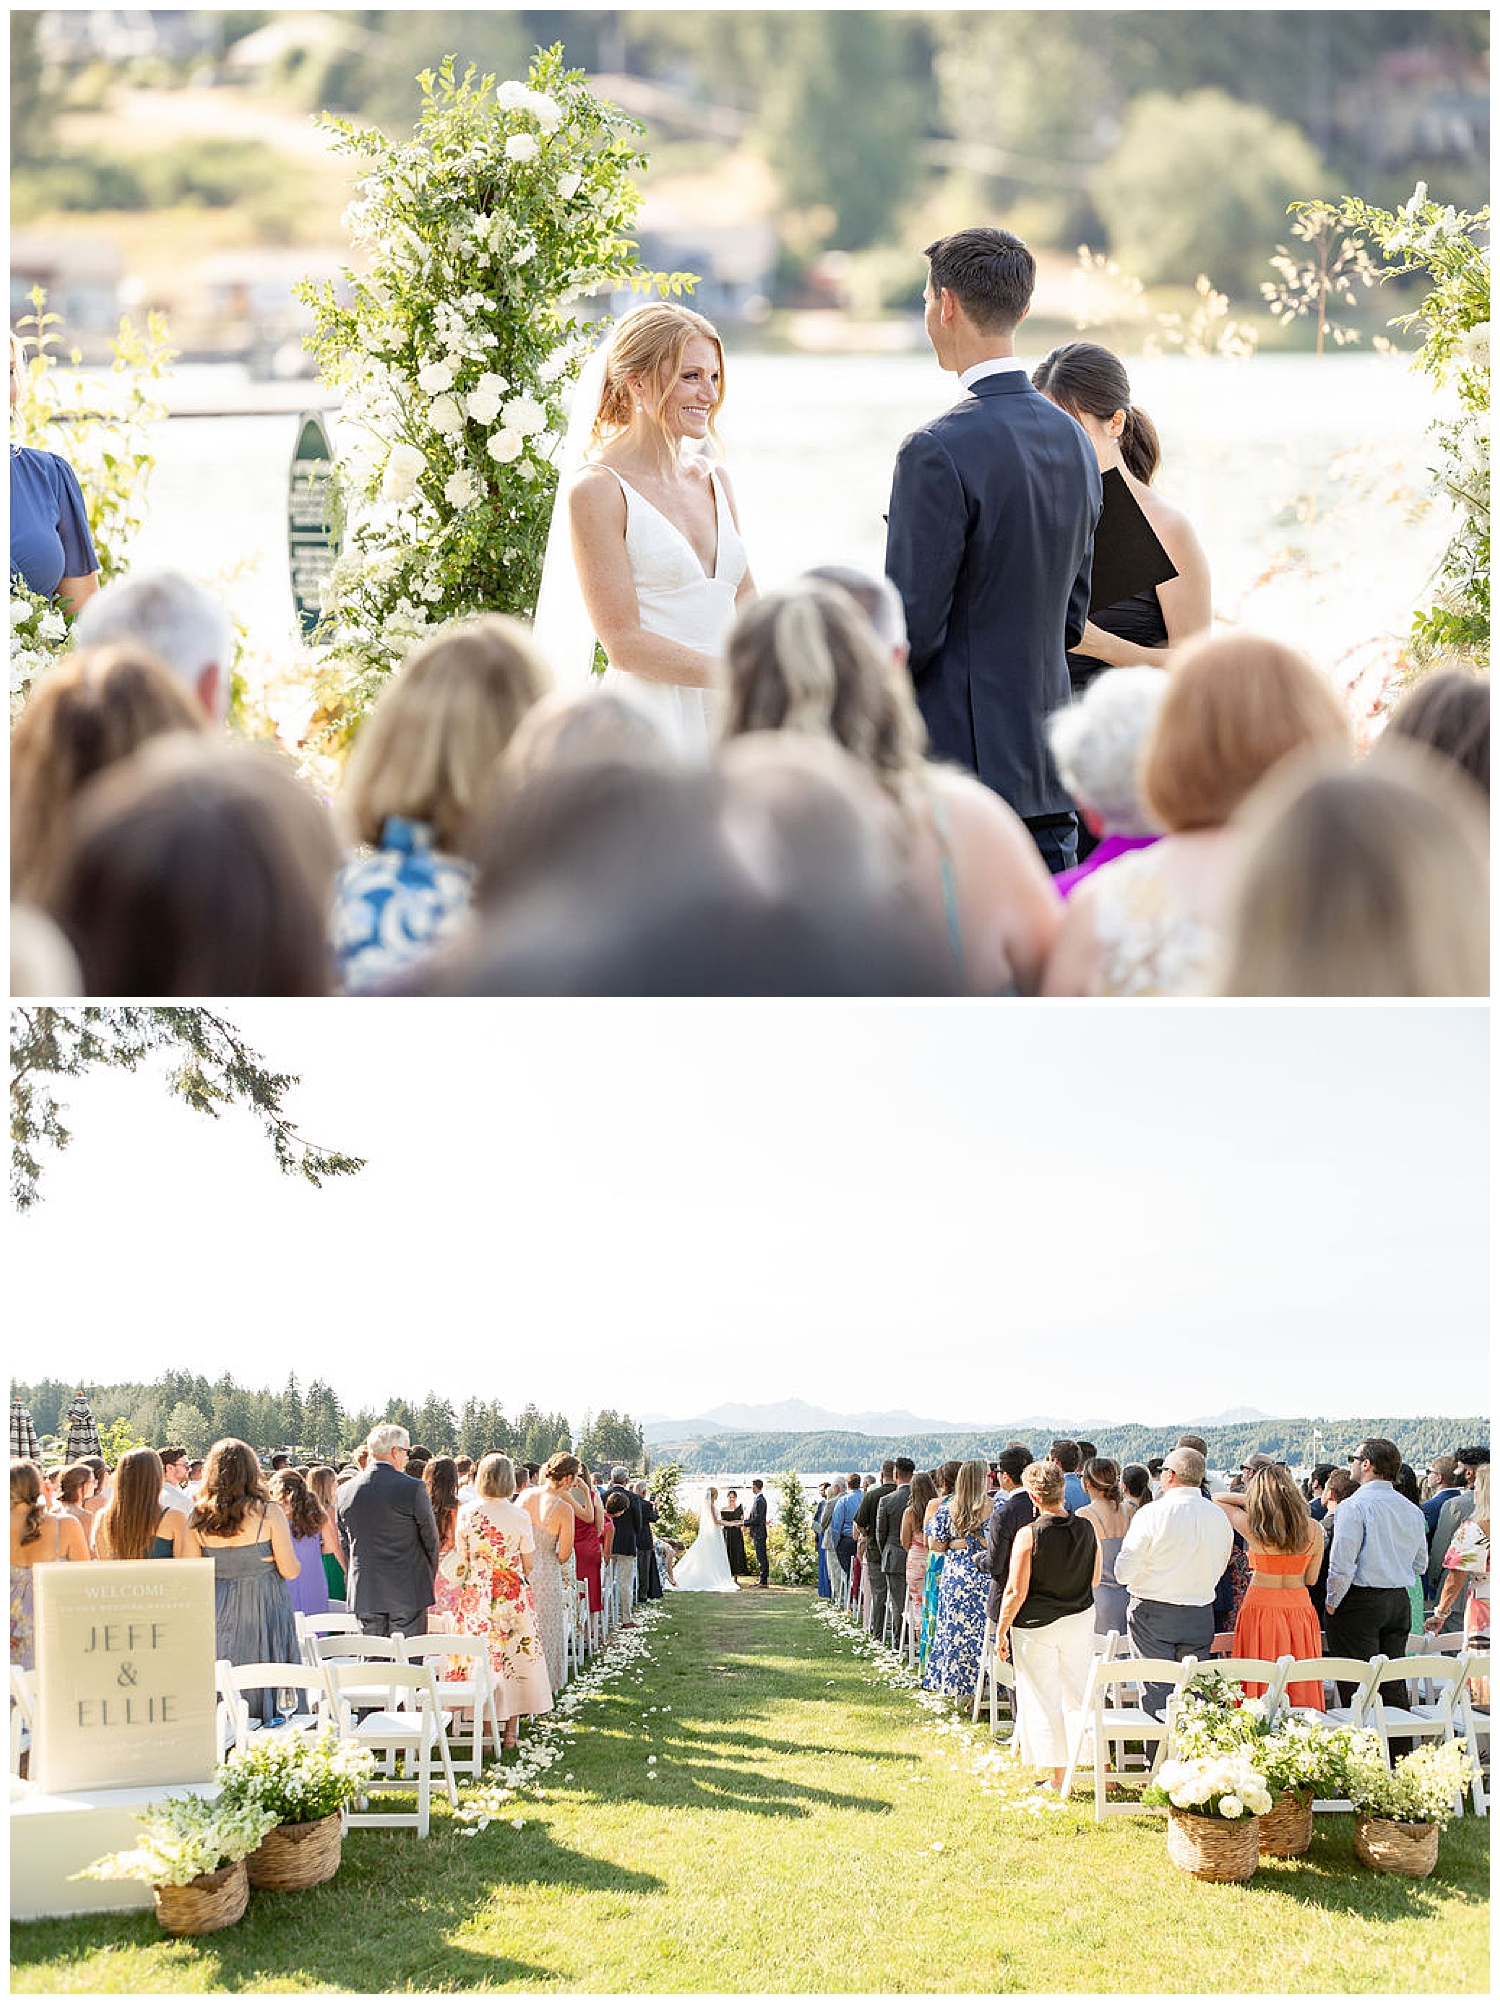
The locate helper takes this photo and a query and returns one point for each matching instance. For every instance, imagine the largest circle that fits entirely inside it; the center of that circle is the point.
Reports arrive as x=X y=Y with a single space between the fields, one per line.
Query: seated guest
x=1047 y=1619
x=51 y=549
x=250 y=1542
x=807 y=661
x=136 y=1523
x=1151 y=923
x=418 y=770
x=1448 y=712
x=197 y=869
x=88 y=711
x=35 y=1539
x=957 y=1531
x=182 y=623
x=305 y=1518
x=1371 y=882
x=1097 y=743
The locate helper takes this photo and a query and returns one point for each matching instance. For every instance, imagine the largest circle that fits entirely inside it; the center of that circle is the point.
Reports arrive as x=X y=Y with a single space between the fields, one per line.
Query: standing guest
x=1313 y=1490
x=1049 y=1609
x=248 y=1538
x=1277 y=1617
x=387 y=1528
x=947 y=1475
x=324 y=1485
x=1069 y=1457
x=1379 y=1542
x=990 y=539
x=135 y=1524
x=865 y=1532
x=1448 y=712
x=1338 y=1485
x=89 y=712
x=914 y=1537
x=1466 y=1564
x=1405 y=1485
x=417 y=1461
x=1467 y=1461
x=630 y=1529
x=1171 y=1560
x=194 y=1477
x=1012 y=1511
x=51 y=549
x=552 y=1573
x=1110 y=1514
x=496 y=1545
x=183 y=624
x=1439 y=1485
x=1152 y=923
x=1135 y=1480
x=823 y=1531
x=35 y=1539
x=845 y=1510
x=305 y=1520
x=418 y=771
x=466 y=1490
x=440 y=1479
x=174 y=1471
x=890 y=1553
x=101 y=1492
x=588 y=1537
x=75 y=1484
x=957 y=1531
x=647 y=1570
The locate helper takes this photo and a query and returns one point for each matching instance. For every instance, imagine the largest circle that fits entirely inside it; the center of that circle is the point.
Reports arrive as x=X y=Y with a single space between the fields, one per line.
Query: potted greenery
x=191 y=1853
x=303 y=1781
x=1399 y=1812
x=1213 y=1802
x=1301 y=1761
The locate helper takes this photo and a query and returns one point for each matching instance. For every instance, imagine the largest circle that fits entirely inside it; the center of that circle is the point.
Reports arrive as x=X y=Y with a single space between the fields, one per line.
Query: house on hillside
x=82 y=278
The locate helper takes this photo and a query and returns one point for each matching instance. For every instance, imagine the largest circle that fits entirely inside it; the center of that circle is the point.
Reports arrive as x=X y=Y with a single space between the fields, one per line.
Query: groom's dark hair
x=989 y=272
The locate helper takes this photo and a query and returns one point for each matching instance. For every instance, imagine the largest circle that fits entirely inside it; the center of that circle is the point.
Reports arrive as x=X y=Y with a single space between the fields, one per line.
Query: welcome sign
x=125 y=1674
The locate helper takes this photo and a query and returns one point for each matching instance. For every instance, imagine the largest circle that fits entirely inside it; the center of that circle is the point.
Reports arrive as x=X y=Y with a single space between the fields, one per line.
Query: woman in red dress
x=1285 y=1547
x=588 y=1537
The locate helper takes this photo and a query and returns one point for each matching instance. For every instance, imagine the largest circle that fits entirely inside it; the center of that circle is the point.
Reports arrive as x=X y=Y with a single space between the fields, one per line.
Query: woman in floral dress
x=956 y=1531
x=496 y=1546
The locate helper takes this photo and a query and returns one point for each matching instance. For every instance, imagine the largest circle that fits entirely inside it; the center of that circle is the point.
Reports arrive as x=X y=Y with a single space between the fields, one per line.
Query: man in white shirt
x=1171 y=1560
x=174 y=1468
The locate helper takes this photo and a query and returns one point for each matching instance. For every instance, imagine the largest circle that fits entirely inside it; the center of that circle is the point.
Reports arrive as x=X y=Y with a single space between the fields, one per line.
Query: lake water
x=1304 y=477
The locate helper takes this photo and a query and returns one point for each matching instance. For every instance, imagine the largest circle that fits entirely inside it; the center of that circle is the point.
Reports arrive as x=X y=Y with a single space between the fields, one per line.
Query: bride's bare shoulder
x=595 y=496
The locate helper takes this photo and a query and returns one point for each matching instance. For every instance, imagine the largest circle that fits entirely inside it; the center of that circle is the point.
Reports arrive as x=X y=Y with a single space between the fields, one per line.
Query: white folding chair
x=1434 y=1720
x=910 y=1645
x=410 y=1722
x=353 y=1646
x=1475 y=1721
x=1120 y=1722
x=993 y=1676
x=1244 y=1670
x=235 y=1679
x=322 y=1624
x=22 y=1714
x=473 y=1692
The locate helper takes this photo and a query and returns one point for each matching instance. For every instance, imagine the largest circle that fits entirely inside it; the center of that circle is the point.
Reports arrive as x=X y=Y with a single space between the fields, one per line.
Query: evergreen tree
x=187 y=1426
x=291 y=1420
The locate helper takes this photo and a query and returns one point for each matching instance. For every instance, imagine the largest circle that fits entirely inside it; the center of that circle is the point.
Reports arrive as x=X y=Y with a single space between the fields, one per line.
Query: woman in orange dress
x=1277 y=1617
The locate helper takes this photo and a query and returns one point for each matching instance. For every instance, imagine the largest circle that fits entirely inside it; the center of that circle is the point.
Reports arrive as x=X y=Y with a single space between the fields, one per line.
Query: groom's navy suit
x=990 y=542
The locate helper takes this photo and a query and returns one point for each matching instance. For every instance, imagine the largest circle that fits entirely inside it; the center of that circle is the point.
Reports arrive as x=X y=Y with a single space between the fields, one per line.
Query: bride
x=705 y=1567
x=656 y=546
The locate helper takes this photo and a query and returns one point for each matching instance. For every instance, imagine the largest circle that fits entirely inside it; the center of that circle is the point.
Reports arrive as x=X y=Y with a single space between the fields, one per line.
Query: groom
x=990 y=540
x=755 y=1525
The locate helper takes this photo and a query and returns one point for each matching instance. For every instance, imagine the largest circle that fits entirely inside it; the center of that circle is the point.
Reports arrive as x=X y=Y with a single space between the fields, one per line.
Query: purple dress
x=309 y=1590
x=1111 y=846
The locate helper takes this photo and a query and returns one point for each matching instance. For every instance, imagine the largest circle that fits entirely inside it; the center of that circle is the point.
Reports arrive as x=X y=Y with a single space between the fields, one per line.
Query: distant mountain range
x=797 y=1416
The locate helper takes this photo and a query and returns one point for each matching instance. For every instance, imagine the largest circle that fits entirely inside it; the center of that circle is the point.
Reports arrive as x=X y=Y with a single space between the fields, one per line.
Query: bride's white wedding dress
x=705 y=1567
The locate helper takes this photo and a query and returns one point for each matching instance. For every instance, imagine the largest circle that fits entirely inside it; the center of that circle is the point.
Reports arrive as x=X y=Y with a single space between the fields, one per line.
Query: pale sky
x=976 y=1213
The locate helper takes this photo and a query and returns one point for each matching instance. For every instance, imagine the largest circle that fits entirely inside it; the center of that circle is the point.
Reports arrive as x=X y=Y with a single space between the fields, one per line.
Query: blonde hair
x=807 y=660
x=1235 y=706
x=1372 y=882
x=650 y=342
x=970 y=1507
x=495 y=1477
x=1044 y=1482
x=429 y=748
x=1276 y=1512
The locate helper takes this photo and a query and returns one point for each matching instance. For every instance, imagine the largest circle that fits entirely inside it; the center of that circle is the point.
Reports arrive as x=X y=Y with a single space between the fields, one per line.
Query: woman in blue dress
x=51 y=550
x=956 y=1530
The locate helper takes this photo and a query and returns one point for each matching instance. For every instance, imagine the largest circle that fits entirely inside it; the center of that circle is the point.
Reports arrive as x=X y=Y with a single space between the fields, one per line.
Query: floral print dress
x=1469 y=1553
x=962 y=1594
x=495 y=1602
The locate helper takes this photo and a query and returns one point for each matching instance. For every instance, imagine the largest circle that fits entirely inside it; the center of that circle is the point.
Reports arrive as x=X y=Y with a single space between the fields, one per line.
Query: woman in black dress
x=734 y=1538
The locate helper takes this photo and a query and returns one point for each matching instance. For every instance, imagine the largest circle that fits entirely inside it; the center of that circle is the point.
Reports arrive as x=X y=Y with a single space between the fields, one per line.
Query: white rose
x=525 y=415
x=524 y=255
x=483 y=406
x=461 y=489
x=568 y=185
x=445 y=417
x=545 y=110
x=51 y=626
x=403 y=468
x=1231 y=1806
x=506 y=446
x=435 y=378
x=20 y=612
x=491 y=384
x=521 y=147
x=511 y=96
x=1474 y=346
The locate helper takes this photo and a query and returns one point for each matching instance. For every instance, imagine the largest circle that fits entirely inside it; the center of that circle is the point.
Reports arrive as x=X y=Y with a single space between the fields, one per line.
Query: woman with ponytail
x=35 y=1539
x=1091 y=385
x=809 y=661
x=656 y=540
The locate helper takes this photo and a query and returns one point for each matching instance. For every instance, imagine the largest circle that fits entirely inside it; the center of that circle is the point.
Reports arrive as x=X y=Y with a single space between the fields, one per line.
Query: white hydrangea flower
x=521 y=147
x=445 y=417
x=20 y=612
x=525 y=415
x=435 y=377
x=403 y=468
x=505 y=446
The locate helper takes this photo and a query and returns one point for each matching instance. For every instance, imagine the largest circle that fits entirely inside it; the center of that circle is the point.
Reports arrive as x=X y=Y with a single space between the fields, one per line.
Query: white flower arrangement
x=1229 y=1785
x=300 y=1776
x=184 y=1837
x=1423 y=1787
x=38 y=635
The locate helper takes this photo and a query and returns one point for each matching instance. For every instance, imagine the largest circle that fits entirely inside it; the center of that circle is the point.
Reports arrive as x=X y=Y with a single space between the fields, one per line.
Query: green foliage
x=187 y=1425
x=215 y=1068
x=672 y=1521
x=299 y=1777
x=794 y=1559
x=1421 y=1787
x=1197 y=184
x=119 y=1437
x=455 y=349
x=611 y=1437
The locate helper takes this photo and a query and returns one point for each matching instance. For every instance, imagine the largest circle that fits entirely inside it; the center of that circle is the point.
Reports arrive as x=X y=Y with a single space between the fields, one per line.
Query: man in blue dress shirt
x=1379 y=1547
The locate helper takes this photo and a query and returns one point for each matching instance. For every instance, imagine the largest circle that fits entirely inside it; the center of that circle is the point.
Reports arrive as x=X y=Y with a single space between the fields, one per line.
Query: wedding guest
x=559 y=733
x=806 y=660
x=466 y=1490
x=174 y=1470
x=1467 y=1461
x=1110 y=1514
x=1010 y=1512
x=35 y=1539
x=1405 y=1484
x=101 y=1492
x=1091 y=385
x=1097 y=744
x=1277 y=1617
x=1135 y=1480
x=622 y=1508
x=1466 y=1570
x=323 y=1483
x=945 y=1477
x=914 y=1537
x=90 y=711
x=308 y=1592
x=957 y=1531
x=865 y=1534
x=823 y=1527
x=197 y=869
x=386 y=1526
x=1338 y=1485
x=1171 y=1561
x=183 y=624
x=588 y=1537
x=51 y=549
x=416 y=776
x=889 y=1551
x=75 y=1484
x=1151 y=923
x=647 y=1569
x=841 y=1523
x=1379 y=1543
x=496 y=1545
x=439 y=1477
x=1448 y=712
x=136 y=1523
x=552 y=1572
x=1069 y=1457
x=1370 y=882
x=248 y=1538
x=1047 y=1618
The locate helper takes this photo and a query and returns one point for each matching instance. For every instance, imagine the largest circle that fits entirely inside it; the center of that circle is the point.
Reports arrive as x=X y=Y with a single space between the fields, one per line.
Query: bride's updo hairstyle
x=806 y=660
x=650 y=342
x=1086 y=380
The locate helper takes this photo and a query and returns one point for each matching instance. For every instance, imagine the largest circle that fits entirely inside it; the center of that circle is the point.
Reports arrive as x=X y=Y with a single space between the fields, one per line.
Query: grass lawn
x=801 y=1827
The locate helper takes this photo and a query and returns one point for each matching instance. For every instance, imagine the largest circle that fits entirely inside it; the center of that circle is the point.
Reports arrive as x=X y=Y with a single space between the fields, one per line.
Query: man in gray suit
x=386 y=1522
x=888 y=1514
